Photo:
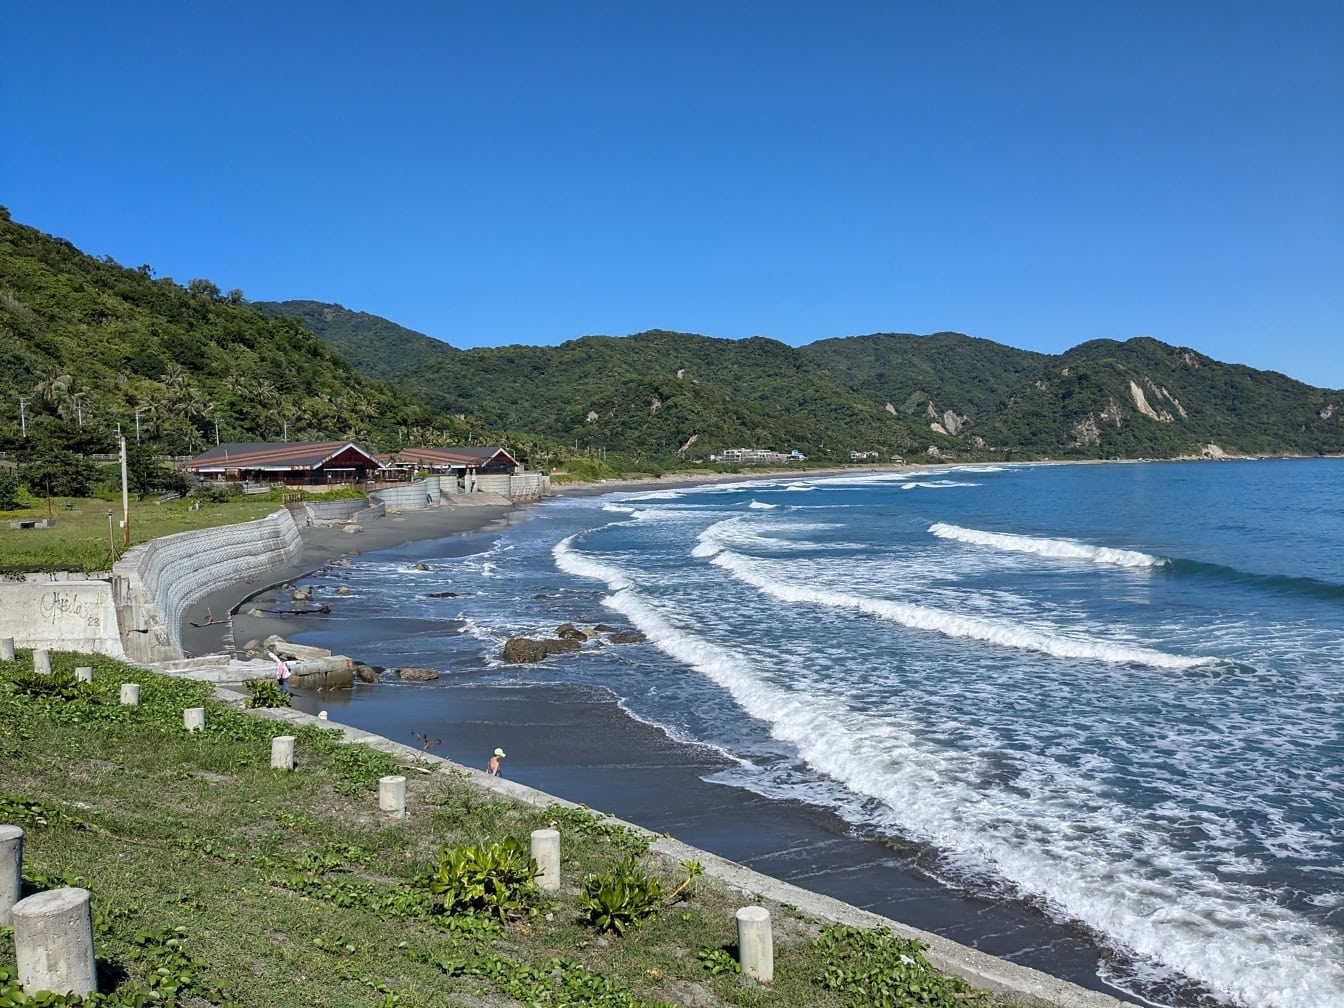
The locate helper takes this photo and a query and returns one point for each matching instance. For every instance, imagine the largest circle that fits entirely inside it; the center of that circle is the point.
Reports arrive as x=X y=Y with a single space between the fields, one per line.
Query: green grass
x=81 y=539
x=225 y=882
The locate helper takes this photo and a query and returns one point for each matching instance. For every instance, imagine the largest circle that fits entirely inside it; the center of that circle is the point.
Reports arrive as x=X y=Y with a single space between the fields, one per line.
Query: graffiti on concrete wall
x=62 y=604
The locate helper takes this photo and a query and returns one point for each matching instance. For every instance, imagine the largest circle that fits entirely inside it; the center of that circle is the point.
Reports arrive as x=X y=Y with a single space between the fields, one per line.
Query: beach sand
x=580 y=744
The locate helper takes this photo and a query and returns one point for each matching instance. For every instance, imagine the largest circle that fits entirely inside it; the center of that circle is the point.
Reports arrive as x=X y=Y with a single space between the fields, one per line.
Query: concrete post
x=130 y=694
x=392 y=796
x=11 y=870
x=755 y=946
x=83 y=674
x=6 y=648
x=546 y=853
x=41 y=661
x=53 y=942
x=282 y=752
x=193 y=719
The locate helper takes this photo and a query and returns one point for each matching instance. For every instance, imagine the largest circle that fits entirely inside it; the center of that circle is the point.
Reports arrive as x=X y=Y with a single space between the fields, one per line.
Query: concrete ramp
x=62 y=616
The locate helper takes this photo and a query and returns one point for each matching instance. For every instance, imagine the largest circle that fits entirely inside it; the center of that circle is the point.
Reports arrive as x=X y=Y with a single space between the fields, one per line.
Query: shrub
x=9 y=490
x=616 y=900
x=265 y=693
x=496 y=879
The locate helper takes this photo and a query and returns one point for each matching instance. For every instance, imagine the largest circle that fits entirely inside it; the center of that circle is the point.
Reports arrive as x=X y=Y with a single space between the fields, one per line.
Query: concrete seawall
x=157 y=583
x=1018 y=985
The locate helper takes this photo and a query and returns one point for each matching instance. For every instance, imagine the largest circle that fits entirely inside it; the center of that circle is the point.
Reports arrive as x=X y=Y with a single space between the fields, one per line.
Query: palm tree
x=54 y=388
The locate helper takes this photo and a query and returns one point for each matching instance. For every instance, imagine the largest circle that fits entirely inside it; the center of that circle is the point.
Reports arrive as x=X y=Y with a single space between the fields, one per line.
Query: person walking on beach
x=494 y=762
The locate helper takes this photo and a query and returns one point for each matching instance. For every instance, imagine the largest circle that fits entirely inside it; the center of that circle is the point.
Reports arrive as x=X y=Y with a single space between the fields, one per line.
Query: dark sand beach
x=578 y=743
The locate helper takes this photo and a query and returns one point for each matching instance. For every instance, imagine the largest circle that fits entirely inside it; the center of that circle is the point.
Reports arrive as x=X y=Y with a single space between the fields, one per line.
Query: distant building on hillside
x=862 y=456
x=294 y=463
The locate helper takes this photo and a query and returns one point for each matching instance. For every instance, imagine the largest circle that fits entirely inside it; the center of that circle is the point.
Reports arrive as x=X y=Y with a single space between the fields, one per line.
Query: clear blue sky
x=1038 y=173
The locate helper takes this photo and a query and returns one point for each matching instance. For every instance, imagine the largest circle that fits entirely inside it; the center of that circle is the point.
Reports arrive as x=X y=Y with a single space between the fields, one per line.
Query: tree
x=9 y=490
x=200 y=285
x=235 y=296
x=145 y=475
x=59 y=473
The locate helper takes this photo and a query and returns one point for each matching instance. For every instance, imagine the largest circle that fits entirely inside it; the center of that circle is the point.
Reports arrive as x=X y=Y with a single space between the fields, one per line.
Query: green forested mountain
x=1144 y=398
x=656 y=392
x=87 y=343
x=375 y=346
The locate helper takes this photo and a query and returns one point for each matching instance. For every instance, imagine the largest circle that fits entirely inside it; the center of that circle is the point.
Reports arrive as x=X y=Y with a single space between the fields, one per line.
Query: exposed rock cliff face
x=1141 y=404
x=1086 y=432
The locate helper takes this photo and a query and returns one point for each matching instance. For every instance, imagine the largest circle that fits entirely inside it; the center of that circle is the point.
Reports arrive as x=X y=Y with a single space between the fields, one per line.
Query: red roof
x=283 y=457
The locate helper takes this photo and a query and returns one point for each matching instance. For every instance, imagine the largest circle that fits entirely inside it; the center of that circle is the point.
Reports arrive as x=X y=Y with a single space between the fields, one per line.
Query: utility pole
x=23 y=415
x=79 y=406
x=125 y=500
x=138 y=411
x=216 y=432
x=284 y=431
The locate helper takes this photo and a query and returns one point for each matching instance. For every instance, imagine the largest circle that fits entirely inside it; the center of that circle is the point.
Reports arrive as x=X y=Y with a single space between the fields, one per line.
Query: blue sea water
x=1113 y=691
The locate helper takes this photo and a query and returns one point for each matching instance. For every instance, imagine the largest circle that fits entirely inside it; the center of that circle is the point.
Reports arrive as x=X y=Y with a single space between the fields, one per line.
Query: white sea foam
x=1053 y=832
x=618 y=508
x=1064 y=549
x=935 y=484
x=760 y=506
x=918 y=617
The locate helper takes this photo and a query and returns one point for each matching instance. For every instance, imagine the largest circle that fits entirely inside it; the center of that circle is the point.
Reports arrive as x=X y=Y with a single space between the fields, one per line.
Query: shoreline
x=581 y=744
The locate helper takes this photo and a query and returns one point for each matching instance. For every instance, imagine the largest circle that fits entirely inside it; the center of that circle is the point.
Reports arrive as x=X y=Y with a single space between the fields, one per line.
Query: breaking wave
x=1063 y=549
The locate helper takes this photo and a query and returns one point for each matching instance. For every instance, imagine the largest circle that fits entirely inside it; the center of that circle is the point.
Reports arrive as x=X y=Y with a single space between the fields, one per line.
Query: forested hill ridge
x=87 y=344
x=971 y=397
x=363 y=339
x=1102 y=399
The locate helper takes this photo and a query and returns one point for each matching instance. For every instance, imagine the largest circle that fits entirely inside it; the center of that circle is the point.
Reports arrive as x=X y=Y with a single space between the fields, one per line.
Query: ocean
x=1113 y=694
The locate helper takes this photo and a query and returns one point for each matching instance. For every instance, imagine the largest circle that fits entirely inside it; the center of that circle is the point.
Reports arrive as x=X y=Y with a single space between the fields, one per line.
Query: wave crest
x=1064 y=549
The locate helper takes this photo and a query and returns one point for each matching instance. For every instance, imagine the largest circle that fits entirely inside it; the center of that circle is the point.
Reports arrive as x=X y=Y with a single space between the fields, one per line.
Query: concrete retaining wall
x=157 y=583
x=519 y=486
x=415 y=497
x=334 y=512
x=62 y=615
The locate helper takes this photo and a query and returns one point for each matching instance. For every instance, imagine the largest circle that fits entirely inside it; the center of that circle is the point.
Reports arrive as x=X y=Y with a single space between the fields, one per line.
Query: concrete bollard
x=53 y=942
x=41 y=661
x=755 y=946
x=130 y=694
x=546 y=853
x=193 y=719
x=392 y=795
x=321 y=715
x=83 y=674
x=282 y=752
x=11 y=870
x=6 y=648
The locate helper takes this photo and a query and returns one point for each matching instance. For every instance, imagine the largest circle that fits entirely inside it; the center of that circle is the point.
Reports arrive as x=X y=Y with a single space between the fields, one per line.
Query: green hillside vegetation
x=1081 y=404
x=654 y=393
x=1086 y=404
x=944 y=371
x=88 y=342
x=375 y=346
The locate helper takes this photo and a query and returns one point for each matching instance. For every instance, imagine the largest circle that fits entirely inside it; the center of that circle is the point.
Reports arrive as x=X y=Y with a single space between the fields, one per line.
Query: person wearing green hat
x=494 y=761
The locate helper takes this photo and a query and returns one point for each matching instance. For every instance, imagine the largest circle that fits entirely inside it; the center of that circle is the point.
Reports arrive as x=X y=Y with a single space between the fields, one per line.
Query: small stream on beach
x=1106 y=700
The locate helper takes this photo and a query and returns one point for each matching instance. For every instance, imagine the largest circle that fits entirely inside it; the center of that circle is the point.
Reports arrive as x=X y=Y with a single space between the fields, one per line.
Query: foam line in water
x=1064 y=549
x=1054 y=834
x=918 y=617
x=935 y=485
x=761 y=506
